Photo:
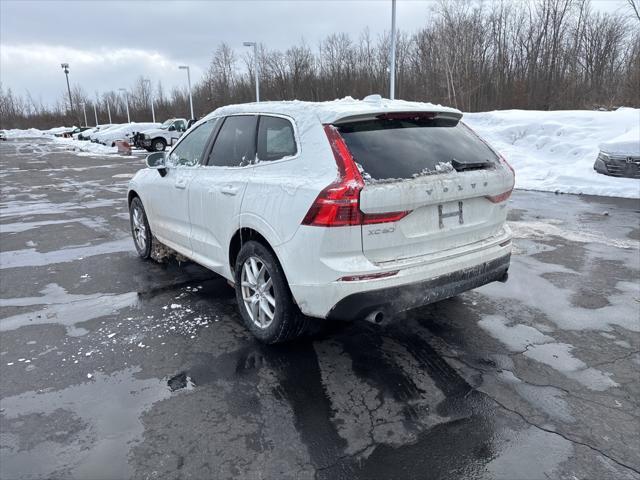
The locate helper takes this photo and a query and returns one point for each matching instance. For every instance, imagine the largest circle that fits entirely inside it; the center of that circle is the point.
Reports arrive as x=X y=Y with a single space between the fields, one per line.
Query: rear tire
x=264 y=299
x=140 y=230
x=158 y=145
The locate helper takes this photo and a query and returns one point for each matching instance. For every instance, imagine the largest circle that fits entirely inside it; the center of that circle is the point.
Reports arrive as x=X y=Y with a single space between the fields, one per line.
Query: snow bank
x=34 y=132
x=28 y=133
x=84 y=148
x=555 y=151
x=89 y=148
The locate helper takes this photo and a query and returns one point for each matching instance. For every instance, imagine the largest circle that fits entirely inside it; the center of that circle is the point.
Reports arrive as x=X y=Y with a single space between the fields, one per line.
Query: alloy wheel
x=257 y=292
x=139 y=228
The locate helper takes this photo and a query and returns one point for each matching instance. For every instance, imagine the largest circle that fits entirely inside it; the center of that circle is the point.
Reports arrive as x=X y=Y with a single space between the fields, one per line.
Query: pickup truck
x=157 y=139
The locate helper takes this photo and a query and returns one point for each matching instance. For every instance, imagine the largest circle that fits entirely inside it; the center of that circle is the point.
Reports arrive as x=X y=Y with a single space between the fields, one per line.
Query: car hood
x=625 y=144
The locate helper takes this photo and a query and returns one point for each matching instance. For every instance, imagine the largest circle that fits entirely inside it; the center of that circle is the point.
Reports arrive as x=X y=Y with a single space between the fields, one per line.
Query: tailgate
x=447 y=212
x=451 y=183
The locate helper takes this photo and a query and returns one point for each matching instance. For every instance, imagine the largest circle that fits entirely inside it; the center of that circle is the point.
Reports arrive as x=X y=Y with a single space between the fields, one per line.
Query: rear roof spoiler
x=398 y=114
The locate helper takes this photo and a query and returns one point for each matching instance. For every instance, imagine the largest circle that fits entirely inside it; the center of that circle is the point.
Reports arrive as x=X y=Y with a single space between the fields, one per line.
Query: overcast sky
x=108 y=44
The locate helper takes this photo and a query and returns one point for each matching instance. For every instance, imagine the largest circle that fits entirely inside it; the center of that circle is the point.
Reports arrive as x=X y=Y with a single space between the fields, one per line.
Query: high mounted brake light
x=338 y=204
x=407 y=116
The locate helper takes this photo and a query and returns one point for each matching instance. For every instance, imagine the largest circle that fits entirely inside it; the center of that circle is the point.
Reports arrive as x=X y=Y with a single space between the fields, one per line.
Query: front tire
x=159 y=145
x=263 y=296
x=140 y=229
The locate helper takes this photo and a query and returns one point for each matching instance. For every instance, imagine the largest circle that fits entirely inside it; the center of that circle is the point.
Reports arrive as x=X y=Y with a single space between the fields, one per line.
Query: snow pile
x=57 y=130
x=626 y=144
x=28 y=133
x=89 y=148
x=555 y=150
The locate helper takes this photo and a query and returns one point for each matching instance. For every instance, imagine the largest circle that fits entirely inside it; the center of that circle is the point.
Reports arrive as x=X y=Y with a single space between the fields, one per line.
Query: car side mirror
x=157 y=161
x=172 y=128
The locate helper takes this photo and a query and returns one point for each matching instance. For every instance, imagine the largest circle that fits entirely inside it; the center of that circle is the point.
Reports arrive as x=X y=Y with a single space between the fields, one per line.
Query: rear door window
x=235 y=145
x=405 y=148
x=276 y=139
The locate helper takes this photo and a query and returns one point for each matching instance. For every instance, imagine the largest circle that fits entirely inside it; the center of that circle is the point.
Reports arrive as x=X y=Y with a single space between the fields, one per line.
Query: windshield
x=166 y=124
x=405 y=148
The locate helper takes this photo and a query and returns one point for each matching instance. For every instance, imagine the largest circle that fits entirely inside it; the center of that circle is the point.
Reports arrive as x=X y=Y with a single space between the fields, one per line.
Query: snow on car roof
x=332 y=111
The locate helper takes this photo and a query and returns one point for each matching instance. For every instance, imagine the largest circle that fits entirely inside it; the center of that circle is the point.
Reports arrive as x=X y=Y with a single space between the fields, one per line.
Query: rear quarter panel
x=280 y=192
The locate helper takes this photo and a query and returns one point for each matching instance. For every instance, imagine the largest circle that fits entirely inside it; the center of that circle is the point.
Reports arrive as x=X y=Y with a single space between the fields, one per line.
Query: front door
x=171 y=195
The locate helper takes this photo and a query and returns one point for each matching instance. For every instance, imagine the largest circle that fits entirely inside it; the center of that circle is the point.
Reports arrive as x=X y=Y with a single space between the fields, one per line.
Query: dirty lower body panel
x=397 y=299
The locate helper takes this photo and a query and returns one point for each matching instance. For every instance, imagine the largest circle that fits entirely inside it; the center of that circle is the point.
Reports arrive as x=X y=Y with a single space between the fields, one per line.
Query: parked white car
x=111 y=136
x=345 y=210
x=167 y=134
x=101 y=129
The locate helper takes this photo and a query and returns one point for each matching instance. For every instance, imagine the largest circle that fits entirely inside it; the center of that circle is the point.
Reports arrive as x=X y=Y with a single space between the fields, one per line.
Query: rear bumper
x=405 y=297
x=423 y=281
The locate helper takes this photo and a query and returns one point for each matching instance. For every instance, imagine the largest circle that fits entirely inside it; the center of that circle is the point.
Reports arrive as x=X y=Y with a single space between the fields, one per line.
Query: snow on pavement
x=555 y=150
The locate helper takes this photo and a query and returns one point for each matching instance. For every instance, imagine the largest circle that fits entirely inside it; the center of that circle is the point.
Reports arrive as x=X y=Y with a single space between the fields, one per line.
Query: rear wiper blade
x=460 y=166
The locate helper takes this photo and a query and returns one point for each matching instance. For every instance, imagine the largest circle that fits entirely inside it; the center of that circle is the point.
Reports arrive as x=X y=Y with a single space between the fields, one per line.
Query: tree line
x=536 y=54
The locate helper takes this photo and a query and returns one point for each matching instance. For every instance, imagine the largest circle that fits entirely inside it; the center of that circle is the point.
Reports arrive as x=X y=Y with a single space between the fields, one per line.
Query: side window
x=189 y=151
x=180 y=126
x=275 y=138
x=235 y=144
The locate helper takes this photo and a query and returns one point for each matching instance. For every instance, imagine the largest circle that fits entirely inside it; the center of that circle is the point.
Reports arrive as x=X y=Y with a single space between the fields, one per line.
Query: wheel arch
x=243 y=235
x=131 y=195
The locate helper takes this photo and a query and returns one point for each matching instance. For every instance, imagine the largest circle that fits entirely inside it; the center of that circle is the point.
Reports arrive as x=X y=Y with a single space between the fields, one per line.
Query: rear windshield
x=405 y=148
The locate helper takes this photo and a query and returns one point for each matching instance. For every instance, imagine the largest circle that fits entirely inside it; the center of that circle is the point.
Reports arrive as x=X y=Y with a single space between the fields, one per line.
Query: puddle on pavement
x=101 y=416
x=30 y=257
x=72 y=313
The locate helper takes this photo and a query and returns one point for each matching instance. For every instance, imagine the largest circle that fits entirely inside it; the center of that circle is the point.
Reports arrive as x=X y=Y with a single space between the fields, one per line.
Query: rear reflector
x=370 y=276
x=338 y=204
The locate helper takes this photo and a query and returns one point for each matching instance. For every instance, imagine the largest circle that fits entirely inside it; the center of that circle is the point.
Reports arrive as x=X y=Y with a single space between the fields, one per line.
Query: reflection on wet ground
x=115 y=368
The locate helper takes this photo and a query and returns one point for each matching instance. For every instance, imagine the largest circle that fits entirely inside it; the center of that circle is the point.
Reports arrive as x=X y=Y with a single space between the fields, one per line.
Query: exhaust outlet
x=375 y=317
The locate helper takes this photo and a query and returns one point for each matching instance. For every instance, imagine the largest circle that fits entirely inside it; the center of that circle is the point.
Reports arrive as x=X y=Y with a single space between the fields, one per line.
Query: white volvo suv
x=343 y=210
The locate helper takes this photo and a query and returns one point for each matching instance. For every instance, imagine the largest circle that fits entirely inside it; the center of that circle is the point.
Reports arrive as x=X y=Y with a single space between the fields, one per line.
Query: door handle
x=229 y=190
x=181 y=183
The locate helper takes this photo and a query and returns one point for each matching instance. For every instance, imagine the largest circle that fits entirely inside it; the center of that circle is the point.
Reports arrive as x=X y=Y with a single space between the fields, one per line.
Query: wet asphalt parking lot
x=113 y=368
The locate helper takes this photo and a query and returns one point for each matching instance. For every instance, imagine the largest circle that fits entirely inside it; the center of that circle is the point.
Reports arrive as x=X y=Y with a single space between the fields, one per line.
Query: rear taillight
x=338 y=204
x=499 y=198
x=503 y=196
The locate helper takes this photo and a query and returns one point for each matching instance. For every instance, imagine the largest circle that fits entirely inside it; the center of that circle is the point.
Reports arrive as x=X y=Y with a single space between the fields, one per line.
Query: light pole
x=186 y=67
x=392 y=69
x=109 y=111
x=85 y=112
x=256 y=67
x=126 y=102
x=153 y=112
x=95 y=113
x=65 y=69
